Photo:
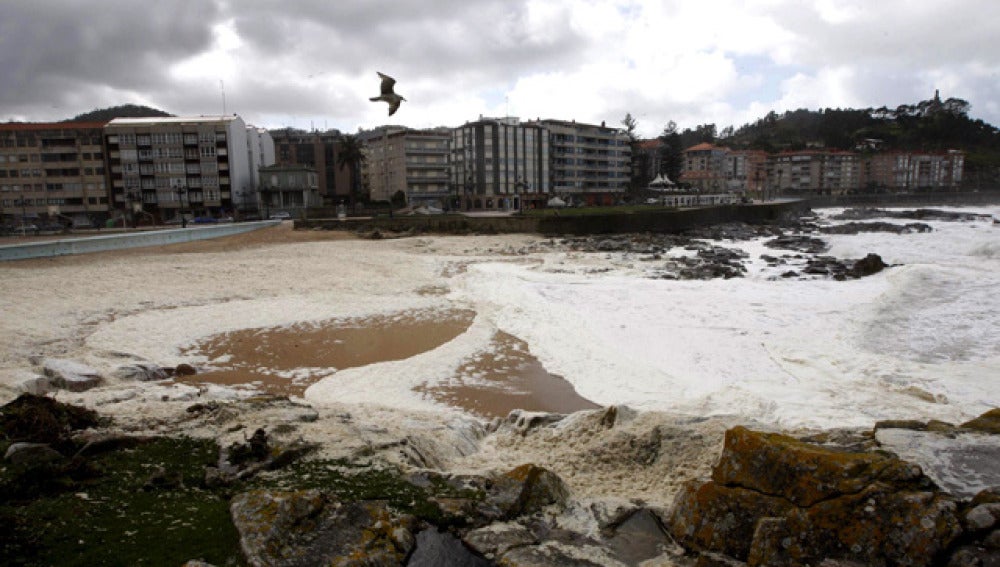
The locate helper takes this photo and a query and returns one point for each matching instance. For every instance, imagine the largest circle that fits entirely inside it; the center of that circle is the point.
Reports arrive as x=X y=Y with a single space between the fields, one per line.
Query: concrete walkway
x=118 y=241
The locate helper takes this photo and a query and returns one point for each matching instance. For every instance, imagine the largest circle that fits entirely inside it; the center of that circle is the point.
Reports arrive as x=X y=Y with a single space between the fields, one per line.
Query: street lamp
x=180 y=201
x=265 y=197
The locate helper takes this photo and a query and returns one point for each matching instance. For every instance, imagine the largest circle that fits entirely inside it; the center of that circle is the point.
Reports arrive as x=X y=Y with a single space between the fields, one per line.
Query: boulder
x=494 y=540
x=35 y=384
x=878 y=526
x=776 y=500
x=71 y=375
x=870 y=264
x=525 y=490
x=434 y=548
x=141 y=372
x=799 y=472
x=185 y=369
x=40 y=419
x=712 y=517
x=309 y=527
x=640 y=537
x=989 y=422
x=31 y=455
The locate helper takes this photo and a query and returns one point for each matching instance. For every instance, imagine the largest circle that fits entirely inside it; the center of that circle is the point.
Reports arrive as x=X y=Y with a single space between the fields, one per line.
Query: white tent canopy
x=556 y=202
x=662 y=181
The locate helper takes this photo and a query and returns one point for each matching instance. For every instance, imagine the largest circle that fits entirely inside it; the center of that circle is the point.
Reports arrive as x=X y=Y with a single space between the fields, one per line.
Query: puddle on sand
x=287 y=360
x=504 y=378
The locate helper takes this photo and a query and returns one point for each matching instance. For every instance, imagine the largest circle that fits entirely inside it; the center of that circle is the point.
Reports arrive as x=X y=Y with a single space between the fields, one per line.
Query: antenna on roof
x=222 y=89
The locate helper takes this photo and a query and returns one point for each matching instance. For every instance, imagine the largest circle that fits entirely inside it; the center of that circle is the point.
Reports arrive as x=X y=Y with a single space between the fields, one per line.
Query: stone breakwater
x=839 y=497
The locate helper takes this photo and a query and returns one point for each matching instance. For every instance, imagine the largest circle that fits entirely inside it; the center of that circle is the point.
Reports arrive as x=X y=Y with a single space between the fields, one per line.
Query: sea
x=918 y=340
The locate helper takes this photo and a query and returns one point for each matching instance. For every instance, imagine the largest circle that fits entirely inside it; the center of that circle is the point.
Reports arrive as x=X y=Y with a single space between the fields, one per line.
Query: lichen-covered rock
x=989 y=422
x=308 y=527
x=802 y=473
x=877 y=526
x=711 y=517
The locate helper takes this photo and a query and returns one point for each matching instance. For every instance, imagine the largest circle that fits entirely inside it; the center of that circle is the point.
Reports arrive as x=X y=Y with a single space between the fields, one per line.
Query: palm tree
x=351 y=156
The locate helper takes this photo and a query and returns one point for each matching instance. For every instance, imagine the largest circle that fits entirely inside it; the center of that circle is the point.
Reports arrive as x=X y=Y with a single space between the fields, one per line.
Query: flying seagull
x=387 y=94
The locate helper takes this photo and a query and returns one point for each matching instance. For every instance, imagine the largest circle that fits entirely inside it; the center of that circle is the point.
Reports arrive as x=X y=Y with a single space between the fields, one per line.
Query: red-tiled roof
x=703 y=147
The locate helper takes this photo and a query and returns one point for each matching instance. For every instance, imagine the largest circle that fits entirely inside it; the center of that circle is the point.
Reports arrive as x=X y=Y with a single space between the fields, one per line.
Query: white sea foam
x=918 y=340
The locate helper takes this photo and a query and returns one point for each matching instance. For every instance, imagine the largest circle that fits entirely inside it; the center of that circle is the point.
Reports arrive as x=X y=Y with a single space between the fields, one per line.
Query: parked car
x=205 y=220
x=280 y=215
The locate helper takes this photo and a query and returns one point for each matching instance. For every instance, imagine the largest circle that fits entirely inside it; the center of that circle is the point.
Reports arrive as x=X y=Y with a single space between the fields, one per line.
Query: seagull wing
x=393 y=106
x=387 y=83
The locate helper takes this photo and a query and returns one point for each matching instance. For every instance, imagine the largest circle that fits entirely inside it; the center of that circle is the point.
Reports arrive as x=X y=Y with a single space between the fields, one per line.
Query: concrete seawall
x=105 y=242
x=663 y=220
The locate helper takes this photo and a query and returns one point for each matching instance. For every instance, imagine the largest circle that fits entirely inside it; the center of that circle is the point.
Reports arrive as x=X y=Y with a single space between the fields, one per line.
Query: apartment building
x=589 y=163
x=500 y=164
x=52 y=173
x=902 y=171
x=413 y=162
x=705 y=168
x=161 y=166
x=320 y=151
x=815 y=172
x=745 y=172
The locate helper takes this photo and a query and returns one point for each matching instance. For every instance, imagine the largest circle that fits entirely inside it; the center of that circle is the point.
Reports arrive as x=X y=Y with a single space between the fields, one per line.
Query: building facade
x=321 y=151
x=705 y=168
x=413 y=162
x=500 y=164
x=52 y=173
x=161 y=166
x=289 y=188
x=746 y=173
x=902 y=171
x=589 y=163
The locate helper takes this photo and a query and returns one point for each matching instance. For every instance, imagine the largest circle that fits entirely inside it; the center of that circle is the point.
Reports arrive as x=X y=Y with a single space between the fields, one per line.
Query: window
x=207 y=151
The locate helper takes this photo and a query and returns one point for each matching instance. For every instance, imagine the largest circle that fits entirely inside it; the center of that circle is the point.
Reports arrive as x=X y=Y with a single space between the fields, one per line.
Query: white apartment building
x=205 y=164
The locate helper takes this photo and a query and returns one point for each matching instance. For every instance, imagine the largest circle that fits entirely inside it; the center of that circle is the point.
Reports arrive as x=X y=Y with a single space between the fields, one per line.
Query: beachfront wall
x=106 y=242
x=662 y=221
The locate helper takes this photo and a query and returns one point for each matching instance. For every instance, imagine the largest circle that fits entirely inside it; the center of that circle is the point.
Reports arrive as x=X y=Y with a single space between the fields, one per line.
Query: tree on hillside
x=122 y=111
x=351 y=156
x=671 y=152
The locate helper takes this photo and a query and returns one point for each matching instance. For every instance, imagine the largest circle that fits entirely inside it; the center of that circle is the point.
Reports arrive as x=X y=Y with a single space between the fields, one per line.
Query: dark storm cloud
x=441 y=38
x=59 y=48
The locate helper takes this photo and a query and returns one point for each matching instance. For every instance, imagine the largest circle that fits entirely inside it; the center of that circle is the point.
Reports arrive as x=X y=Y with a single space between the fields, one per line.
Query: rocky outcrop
x=775 y=500
x=914 y=214
x=308 y=527
x=859 y=227
x=798 y=243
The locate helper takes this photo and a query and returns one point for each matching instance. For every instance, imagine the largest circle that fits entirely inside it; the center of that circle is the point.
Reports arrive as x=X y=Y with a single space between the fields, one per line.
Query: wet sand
x=505 y=378
x=287 y=360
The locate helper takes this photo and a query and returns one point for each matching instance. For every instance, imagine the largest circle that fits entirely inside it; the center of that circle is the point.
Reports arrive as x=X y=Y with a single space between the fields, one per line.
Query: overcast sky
x=312 y=63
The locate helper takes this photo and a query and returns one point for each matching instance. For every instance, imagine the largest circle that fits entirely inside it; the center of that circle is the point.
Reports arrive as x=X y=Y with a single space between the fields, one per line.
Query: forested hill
x=123 y=111
x=929 y=125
